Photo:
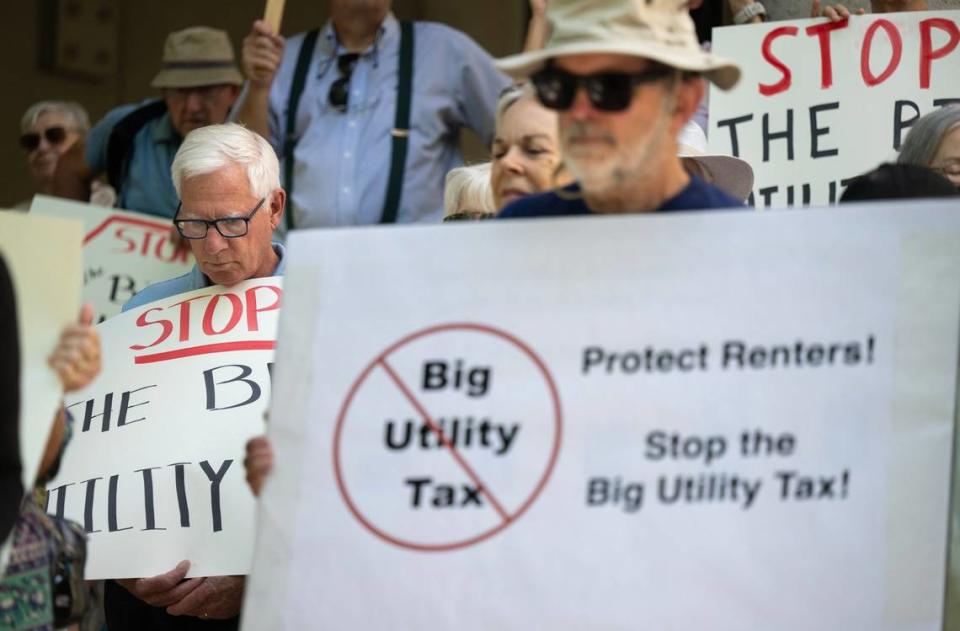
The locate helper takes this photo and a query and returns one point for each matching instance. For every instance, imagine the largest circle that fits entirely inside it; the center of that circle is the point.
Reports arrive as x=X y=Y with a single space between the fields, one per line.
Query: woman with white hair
x=526 y=155
x=467 y=194
x=47 y=130
x=934 y=142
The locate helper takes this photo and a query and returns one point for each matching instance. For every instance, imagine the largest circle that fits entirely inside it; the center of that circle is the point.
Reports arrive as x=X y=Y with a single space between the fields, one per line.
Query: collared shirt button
x=347 y=155
x=352 y=123
x=346 y=190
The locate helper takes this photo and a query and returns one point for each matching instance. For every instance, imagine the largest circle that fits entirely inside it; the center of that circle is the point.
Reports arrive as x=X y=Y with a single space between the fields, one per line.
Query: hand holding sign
x=262 y=54
x=258 y=463
x=76 y=359
x=216 y=597
x=165 y=589
x=835 y=12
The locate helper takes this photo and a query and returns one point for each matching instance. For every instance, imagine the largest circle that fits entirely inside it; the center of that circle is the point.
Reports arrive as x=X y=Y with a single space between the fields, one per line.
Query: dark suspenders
x=401 y=125
x=289 y=137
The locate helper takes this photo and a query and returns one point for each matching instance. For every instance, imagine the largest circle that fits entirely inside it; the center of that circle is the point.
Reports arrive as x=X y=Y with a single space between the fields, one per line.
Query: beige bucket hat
x=660 y=30
x=195 y=57
x=733 y=175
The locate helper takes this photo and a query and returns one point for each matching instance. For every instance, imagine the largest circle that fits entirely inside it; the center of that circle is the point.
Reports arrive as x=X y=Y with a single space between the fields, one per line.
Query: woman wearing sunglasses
x=47 y=130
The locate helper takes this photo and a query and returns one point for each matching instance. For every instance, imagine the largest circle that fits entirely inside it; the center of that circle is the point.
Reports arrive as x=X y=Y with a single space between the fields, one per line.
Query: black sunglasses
x=54 y=135
x=228 y=227
x=339 y=94
x=608 y=91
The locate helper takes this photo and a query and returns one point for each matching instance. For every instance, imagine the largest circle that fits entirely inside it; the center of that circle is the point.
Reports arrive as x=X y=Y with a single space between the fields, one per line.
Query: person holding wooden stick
x=366 y=112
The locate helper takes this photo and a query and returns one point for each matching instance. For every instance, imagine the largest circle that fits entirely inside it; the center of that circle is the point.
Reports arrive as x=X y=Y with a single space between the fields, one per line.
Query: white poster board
x=123 y=251
x=154 y=472
x=43 y=256
x=820 y=103
x=720 y=420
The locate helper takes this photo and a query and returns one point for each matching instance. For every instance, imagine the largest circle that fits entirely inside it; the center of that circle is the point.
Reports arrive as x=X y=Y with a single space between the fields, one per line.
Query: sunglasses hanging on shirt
x=54 y=136
x=339 y=95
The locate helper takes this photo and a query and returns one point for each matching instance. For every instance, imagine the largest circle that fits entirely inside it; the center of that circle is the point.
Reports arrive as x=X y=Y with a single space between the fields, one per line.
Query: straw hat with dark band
x=196 y=57
x=660 y=30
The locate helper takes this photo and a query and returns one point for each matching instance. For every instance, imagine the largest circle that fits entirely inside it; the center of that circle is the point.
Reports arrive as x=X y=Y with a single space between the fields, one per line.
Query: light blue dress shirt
x=342 y=159
x=147 y=187
x=194 y=279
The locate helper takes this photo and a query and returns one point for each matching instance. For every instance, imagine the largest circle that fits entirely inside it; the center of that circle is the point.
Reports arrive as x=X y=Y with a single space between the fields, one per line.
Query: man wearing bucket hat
x=135 y=144
x=625 y=77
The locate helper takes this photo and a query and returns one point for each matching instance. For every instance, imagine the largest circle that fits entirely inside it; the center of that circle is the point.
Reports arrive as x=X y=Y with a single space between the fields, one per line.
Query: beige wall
x=498 y=25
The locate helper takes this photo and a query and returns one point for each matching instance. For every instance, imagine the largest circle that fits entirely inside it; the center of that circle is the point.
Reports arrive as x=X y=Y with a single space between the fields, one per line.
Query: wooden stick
x=273 y=14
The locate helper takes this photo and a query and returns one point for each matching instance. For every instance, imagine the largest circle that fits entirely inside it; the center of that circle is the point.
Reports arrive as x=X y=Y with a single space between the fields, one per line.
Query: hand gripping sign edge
x=379 y=360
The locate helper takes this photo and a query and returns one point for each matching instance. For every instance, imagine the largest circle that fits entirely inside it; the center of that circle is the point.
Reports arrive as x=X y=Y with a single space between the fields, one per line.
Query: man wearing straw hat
x=625 y=77
x=135 y=144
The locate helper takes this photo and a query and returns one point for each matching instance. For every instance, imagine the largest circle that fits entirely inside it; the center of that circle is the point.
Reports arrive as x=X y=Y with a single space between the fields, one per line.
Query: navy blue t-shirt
x=697 y=195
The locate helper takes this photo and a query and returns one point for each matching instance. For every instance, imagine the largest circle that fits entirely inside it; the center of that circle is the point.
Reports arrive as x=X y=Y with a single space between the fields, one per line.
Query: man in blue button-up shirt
x=347 y=109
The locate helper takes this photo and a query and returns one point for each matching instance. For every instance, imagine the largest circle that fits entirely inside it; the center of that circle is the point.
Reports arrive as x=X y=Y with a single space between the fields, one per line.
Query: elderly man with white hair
x=228 y=182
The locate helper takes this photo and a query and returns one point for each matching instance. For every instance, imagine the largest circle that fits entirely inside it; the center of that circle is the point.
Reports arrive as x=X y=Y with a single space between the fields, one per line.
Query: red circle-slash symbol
x=381 y=362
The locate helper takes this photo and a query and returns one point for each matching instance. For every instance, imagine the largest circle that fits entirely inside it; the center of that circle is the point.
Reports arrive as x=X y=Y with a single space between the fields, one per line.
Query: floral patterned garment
x=25 y=589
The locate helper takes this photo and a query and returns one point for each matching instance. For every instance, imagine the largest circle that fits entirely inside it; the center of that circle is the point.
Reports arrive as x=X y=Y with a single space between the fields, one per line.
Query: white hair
x=510 y=95
x=70 y=109
x=926 y=135
x=468 y=188
x=215 y=147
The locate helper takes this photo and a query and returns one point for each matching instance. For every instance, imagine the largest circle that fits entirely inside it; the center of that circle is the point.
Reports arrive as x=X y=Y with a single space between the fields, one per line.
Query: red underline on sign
x=206 y=349
x=443 y=440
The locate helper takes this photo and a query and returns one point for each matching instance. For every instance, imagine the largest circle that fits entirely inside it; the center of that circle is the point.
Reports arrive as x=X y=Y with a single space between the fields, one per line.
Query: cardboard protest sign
x=821 y=102
x=613 y=418
x=123 y=251
x=155 y=468
x=43 y=257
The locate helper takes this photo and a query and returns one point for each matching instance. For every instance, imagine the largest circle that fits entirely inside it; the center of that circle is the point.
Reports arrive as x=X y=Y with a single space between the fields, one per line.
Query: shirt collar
x=162 y=129
x=389 y=30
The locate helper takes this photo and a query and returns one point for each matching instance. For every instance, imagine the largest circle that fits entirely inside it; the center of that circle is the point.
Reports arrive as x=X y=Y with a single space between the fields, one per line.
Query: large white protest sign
x=821 y=102
x=155 y=468
x=699 y=421
x=43 y=256
x=123 y=251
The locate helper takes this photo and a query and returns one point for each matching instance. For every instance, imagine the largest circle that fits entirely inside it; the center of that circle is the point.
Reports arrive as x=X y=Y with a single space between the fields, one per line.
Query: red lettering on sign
x=822 y=31
x=121 y=234
x=185 y=316
x=142 y=321
x=787 y=79
x=896 y=45
x=253 y=308
x=149 y=241
x=251 y=304
x=927 y=54
x=145 y=248
x=236 y=311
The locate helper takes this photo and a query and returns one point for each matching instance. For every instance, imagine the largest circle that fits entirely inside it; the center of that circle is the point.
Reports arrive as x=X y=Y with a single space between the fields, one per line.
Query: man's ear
x=278 y=204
